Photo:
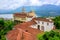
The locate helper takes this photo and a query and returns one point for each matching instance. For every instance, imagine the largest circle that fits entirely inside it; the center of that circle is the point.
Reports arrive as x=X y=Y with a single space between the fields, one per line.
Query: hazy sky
x=13 y=4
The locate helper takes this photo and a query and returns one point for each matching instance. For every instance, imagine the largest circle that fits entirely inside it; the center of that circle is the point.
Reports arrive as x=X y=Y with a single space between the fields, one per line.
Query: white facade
x=28 y=19
x=43 y=26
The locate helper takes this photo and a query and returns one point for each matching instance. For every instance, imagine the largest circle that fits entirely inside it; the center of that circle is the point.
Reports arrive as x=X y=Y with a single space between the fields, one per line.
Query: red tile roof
x=26 y=24
x=26 y=27
x=21 y=15
x=42 y=19
x=12 y=35
x=16 y=33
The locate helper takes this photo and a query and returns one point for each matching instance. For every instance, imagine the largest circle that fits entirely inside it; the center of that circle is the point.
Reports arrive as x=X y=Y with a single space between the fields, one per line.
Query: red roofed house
x=43 y=24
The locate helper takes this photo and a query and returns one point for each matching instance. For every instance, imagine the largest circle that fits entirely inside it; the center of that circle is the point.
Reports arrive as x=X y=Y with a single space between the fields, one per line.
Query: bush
x=5 y=26
x=57 y=22
x=52 y=35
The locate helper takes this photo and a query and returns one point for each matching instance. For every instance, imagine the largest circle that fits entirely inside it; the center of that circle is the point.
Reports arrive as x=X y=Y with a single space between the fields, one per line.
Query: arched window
x=42 y=28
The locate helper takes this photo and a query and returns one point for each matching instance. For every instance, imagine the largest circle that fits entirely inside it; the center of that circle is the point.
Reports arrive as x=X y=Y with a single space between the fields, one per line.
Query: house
x=43 y=24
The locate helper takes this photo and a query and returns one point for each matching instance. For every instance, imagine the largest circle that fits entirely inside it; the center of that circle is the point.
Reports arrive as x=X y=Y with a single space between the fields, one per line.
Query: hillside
x=44 y=10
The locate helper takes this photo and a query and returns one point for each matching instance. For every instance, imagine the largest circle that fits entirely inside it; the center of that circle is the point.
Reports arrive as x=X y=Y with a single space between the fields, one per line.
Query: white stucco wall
x=46 y=27
x=28 y=19
x=34 y=26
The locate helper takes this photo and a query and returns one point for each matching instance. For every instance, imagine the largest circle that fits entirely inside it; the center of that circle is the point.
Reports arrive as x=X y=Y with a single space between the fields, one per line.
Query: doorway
x=39 y=27
x=42 y=28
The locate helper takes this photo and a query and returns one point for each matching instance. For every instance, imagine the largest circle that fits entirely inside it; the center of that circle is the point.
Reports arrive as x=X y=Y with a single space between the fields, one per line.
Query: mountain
x=44 y=10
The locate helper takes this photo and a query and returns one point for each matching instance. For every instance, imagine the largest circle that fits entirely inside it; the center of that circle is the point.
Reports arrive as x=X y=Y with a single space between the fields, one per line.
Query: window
x=42 y=22
x=47 y=23
x=38 y=21
x=42 y=28
x=39 y=27
x=23 y=18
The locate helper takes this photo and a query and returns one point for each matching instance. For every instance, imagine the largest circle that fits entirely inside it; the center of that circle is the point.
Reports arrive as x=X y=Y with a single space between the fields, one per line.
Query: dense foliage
x=52 y=35
x=5 y=26
x=57 y=22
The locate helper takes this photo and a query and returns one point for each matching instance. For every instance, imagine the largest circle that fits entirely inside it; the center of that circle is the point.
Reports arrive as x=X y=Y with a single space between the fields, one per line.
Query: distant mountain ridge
x=44 y=10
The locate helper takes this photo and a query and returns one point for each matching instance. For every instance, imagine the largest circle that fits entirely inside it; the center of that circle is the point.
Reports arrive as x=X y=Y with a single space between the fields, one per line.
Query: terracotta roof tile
x=26 y=24
x=22 y=15
x=42 y=19
x=26 y=27
x=12 y=35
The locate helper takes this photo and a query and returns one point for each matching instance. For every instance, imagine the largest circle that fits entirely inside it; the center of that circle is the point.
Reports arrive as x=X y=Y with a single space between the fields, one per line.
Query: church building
x=24 y=16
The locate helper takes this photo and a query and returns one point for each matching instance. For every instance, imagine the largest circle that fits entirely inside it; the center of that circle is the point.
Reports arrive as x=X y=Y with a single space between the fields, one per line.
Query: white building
x=43 y=24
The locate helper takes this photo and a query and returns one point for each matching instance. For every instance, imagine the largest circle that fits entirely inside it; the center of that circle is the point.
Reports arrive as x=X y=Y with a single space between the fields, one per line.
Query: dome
x=32 y=13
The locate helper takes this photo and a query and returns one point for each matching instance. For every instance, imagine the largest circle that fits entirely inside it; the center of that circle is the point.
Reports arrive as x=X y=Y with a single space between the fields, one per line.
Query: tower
x=32 y=13
x=23 y=9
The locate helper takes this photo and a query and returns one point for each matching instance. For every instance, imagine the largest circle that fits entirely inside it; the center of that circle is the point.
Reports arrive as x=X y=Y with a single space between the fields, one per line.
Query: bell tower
x=32 y=13
x=23 y=9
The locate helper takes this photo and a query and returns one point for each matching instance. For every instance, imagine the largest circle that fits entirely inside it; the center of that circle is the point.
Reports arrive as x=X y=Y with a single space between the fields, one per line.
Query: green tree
x=52 y=35
x=6 y=25
x=57 y=22
x=1 y=24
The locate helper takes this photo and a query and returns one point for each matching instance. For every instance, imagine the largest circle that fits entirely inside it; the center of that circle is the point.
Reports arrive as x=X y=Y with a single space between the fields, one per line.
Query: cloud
x=58 y=2
x=13 y=4
x=42 y=2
